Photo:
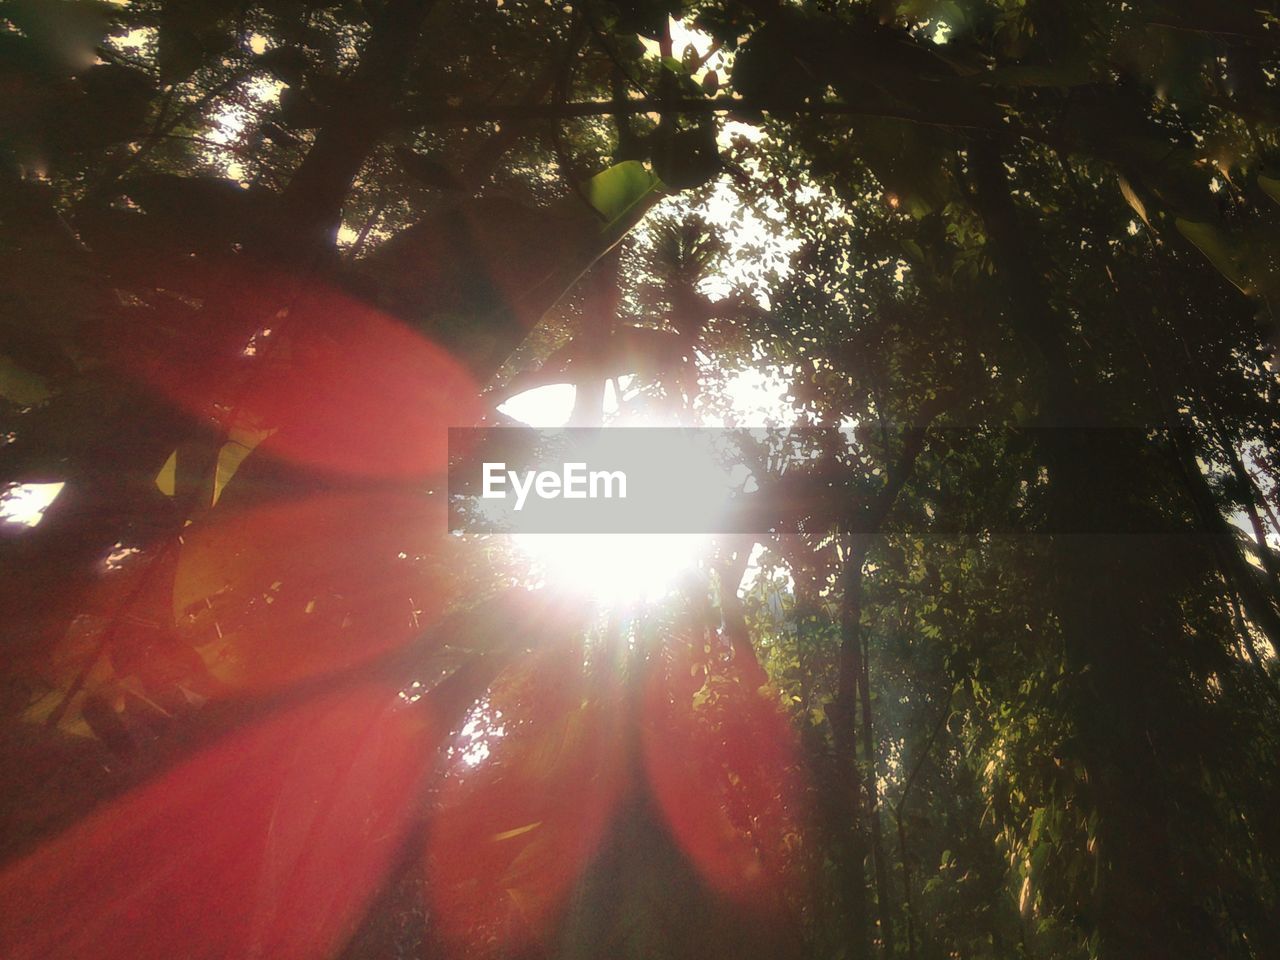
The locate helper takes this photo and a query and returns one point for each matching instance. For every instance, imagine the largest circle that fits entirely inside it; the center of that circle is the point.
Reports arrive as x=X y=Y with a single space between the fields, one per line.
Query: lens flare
x=526 y=800
x=723 y=761
x=612 y=569
x=270 y=843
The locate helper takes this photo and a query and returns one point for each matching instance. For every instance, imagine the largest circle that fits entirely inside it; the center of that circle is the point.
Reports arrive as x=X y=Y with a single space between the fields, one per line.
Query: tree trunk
x=884 y=906
x=1112 y=644
x=848 y=786
x=313 y=200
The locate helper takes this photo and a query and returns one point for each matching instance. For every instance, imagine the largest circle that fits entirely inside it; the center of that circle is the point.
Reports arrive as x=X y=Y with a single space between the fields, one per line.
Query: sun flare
x=612 y=569
x=616 y=569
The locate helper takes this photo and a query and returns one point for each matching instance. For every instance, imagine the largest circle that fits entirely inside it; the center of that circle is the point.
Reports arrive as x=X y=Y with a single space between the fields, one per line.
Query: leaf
x=1134 y=200
x=1218 y=249
x=615 y=191
x=645 y=17
x=1037 y=825
x=20 y=386
x=191 y=35
x=287 y=64
x=910 y=160
x=233 y=453
x=511 y=834
x=167 y=478
x=1270 y=186
x=687 y=158
x=767 y=71
x=1039 y=854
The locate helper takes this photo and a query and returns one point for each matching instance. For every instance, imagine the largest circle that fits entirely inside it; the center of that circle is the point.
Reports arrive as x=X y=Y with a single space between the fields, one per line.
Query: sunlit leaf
x=616 y=191
x=167 y=478
x=240 y=444
x=1134 y=200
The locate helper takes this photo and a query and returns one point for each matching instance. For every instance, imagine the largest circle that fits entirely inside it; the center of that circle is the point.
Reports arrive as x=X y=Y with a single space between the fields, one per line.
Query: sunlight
x=613 y=569
x=542 y=407
x=688 y=40
x=610 y=569
x=621 y=569
x=25 y=503
x=754 y=398
x=483 y=726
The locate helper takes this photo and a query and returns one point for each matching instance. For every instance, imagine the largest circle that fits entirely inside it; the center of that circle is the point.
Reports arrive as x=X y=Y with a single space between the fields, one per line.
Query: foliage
x=1002 y=683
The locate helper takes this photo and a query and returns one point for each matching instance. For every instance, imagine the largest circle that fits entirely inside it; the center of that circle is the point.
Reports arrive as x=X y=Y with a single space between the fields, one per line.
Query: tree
x=1002 y=681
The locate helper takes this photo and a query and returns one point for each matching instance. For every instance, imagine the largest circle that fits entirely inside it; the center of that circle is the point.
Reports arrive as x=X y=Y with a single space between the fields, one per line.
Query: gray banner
x=720 y=481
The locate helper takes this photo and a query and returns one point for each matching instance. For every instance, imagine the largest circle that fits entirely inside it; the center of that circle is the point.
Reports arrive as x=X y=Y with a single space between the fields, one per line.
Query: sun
x=613 y=569
x=610 y=569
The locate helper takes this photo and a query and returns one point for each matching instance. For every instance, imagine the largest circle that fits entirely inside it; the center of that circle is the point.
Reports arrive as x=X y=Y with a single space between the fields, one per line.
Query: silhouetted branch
x=502 y=113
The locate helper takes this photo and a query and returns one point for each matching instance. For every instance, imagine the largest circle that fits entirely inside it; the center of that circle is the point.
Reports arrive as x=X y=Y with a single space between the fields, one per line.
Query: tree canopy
x=999 y=678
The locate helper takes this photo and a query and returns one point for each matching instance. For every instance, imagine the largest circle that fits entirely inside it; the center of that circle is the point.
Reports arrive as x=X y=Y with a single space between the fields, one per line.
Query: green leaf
x=239 y=445
x=615 y=191
x=167 y=478
x=1037 y=824
x=1039 y=854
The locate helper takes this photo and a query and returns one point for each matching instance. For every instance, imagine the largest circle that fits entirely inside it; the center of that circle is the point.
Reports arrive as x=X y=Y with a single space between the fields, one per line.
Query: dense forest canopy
x=999 y=681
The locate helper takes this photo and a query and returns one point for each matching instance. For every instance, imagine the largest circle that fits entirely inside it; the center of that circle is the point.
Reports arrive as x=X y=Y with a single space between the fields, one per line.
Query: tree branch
x=500 y=113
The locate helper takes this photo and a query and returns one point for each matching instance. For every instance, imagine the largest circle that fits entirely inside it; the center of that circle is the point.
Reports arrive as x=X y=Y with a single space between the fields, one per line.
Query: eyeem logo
x=573 y=482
